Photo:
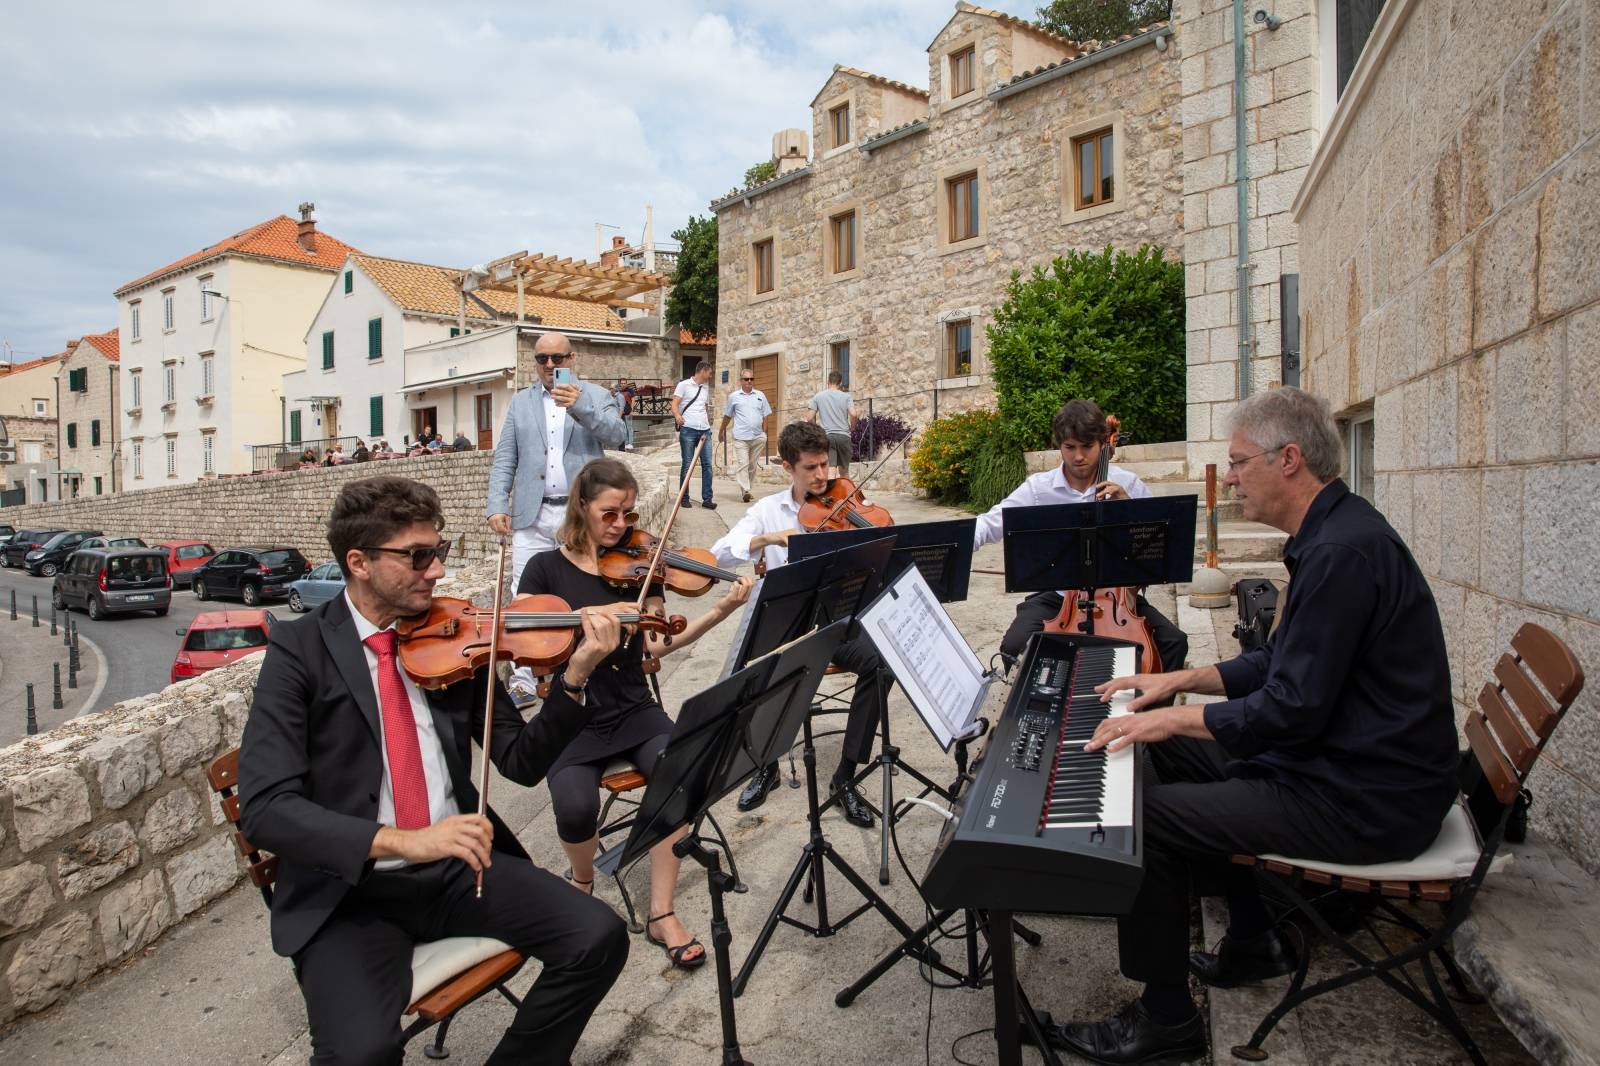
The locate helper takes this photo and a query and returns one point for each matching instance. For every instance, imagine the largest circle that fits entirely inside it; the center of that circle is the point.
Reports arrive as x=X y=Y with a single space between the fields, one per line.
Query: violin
x=840 y=505
x=686 y=571
x=454 y=638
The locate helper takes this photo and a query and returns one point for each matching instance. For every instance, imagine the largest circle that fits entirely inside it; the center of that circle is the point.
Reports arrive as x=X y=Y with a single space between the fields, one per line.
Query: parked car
x=252 y=574
x=6 y=533
x=26 y=540
x=46 y=559
x=113 y=542
x=183 y=557
x=113 y=581
x=322 y=584
x=217 y=638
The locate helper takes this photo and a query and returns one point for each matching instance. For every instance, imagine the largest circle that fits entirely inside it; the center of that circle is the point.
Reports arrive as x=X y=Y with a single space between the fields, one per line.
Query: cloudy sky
x=135 y=133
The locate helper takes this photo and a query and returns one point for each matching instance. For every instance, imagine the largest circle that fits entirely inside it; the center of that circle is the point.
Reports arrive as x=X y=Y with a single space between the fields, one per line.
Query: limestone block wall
x=1448 y=238
x=1280 y=115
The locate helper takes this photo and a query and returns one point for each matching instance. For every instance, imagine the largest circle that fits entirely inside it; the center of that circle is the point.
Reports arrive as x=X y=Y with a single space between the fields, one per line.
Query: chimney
x=72 y=345
x=789 y=148
x=307 y=231
x=619 y=241
x=612 y=257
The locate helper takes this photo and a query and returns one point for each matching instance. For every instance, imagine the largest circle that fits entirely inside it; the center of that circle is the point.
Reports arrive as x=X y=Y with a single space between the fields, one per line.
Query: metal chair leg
x=437 y=1050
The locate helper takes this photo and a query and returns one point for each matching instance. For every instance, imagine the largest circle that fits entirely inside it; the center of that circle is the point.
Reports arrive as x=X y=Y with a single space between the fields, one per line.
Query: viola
x=454 y=639
x=686 y=571
x=840 y=505
x=1115 y=613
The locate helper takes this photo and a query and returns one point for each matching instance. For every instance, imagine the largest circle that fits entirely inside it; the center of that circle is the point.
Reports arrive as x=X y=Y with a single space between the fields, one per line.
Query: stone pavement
x=26 y=655
x=211 y=990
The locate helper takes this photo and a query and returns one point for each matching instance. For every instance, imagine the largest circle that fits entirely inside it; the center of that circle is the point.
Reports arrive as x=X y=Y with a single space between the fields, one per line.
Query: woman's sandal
x=587 y=886
x=676 y=954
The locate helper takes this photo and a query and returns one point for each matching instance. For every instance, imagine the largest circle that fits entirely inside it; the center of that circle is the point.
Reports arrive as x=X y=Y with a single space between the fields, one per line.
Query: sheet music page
x=929 y=656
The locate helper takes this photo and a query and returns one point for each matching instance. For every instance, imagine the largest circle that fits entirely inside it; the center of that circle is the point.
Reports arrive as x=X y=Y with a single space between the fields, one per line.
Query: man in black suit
x=358 y=781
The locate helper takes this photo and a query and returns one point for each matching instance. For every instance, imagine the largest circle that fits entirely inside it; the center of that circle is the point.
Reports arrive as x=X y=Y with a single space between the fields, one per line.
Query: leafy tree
x=1101 y=20
x=692 y=303
x=1106 y=326
x=761 y=172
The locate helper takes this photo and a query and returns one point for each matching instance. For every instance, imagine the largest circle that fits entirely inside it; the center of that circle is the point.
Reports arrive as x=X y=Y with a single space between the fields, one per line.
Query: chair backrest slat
x=1507 y=726
x=224 y=770
x=230 y=808
x=1551 y=661
x=1529 y=700
x=1497 y=769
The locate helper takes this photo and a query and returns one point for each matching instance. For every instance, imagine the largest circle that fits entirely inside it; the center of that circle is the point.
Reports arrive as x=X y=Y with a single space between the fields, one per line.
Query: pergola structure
x=567 y=279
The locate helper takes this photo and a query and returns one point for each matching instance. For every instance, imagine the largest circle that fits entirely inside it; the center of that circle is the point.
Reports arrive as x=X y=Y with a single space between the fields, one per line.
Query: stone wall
x=109 y=831
x=892 y=309
x=1448 y=227
x=603 y=362
x=1280 y=117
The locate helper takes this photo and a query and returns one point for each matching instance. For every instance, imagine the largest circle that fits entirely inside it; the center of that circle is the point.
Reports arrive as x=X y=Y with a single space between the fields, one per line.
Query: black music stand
x=722 y=735
x=942 y=551
x=1105 y=544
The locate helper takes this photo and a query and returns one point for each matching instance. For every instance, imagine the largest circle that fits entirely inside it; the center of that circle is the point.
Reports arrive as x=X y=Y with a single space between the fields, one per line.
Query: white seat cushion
x=617 y=765
x=1452 y=856
x=434 y=963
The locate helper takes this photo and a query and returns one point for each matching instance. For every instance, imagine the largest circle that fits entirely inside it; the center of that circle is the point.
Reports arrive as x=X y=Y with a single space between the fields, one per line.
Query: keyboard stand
x=1010 y=1001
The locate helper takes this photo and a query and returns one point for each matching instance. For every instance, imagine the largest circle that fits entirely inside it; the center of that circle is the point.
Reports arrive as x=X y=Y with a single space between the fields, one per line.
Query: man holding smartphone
x=552 y=428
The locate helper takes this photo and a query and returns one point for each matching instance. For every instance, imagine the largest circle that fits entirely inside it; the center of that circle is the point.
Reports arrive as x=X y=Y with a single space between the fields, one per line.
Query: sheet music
x=728 y=663
x=929 y=656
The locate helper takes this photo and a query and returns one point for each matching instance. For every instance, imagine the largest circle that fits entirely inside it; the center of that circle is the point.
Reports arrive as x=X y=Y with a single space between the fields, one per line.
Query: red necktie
x=400 y=738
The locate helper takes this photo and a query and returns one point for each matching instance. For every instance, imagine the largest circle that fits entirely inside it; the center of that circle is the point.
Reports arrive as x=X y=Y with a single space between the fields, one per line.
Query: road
x=138 y=648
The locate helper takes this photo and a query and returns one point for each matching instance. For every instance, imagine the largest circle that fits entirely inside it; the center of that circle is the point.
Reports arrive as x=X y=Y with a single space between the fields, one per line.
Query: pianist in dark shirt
x=1336 y=741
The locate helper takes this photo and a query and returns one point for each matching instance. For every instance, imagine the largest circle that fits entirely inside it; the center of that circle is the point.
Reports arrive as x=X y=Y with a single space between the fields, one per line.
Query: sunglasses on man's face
x=557 y=359
x=421 y=558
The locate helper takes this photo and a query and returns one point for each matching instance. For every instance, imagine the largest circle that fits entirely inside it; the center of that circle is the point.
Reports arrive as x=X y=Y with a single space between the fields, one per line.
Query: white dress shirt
x=693 y=406
x=747 y=409
x=770 y=514
x=1050 y=486
x=555 y=436
x=441 y=794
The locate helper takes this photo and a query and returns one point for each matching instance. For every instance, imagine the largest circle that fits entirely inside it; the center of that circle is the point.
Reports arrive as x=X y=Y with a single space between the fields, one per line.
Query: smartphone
x=566 y=376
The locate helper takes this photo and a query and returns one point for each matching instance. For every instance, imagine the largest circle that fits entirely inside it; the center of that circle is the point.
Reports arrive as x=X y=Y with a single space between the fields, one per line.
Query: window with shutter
x=376 y=409
x=72 y=434
x=349 y=281
x=375 y=339
x=327 y=350
x=294 y=427
x=94 y=433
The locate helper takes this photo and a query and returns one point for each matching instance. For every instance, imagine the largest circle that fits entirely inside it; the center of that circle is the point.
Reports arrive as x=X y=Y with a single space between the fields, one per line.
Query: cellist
x=1082 y=432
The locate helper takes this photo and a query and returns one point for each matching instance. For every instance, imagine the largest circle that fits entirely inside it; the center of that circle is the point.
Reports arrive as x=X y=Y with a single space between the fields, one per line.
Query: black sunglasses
x=558 y=359
x=421 y=558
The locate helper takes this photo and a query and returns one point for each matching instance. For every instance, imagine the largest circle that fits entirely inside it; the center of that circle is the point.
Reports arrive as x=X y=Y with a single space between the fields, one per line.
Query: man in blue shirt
x=1337 y=739
x=747 y=408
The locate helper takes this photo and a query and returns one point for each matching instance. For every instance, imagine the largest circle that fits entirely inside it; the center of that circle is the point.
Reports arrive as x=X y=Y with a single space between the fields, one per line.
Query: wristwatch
x=576 y=690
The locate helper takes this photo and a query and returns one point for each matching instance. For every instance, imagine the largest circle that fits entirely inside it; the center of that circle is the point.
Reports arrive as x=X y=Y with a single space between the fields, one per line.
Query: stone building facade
x=1451 y=315
x=890 y=249
x=90 y=388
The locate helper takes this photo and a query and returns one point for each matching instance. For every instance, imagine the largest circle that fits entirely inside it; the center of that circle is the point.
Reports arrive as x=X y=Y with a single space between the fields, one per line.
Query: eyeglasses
x=557 y=359
x=421 y=558
x=611 y=515
x=748 y=381
x=1235 y=464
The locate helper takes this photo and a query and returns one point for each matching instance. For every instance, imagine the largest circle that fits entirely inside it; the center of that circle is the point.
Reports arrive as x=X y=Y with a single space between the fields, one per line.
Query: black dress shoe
x=755 y=793
x=710 y=505
x=854 y=805
x=1132 y=1036
x=1245 y=960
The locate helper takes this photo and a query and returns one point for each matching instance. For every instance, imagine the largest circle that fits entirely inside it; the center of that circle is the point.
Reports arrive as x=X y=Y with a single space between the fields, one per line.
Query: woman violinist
x=1082 y=432
x=625 y=719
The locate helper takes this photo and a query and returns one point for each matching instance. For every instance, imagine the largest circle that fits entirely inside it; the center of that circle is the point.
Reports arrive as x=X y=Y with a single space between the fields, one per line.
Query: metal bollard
x=33 y=719
x=66 y=631
x=55 y=695
x=72 y=671
x=72 y=644
x=36 y=611
x=13 y=605
x=52 y=619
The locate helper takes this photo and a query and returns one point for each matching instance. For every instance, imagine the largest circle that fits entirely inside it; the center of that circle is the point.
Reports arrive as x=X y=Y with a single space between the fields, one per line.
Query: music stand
x=942 y=552
x=1105 y=544
x=721 y=736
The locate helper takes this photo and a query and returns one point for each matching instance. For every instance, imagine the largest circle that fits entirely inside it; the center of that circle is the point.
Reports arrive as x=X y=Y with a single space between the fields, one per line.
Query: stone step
x=1243 y=542
x=1154 y=471
x=1139 y=453
x=1228 y=509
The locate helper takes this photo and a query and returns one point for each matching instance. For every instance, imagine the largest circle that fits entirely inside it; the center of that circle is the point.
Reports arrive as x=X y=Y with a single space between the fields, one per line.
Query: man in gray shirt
x=831 y=408
x=746 y=408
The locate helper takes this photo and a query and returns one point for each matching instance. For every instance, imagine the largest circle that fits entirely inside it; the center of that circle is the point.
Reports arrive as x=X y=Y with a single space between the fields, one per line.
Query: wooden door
x=423 y=418
x=330 y=422
x=766 y=372
x=484 y=406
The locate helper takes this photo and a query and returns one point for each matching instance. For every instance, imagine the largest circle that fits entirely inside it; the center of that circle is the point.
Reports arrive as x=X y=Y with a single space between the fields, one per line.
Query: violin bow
x=489 y=694
x=860 y=484
x=661 y=541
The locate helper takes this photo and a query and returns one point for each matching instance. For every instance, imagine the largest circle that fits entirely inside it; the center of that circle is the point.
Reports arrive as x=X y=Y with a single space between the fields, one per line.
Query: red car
x=182 y=557
x=217 y=638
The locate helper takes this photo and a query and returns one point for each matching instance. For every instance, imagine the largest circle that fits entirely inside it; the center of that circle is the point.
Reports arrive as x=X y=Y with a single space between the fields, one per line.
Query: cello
x=1112 y=612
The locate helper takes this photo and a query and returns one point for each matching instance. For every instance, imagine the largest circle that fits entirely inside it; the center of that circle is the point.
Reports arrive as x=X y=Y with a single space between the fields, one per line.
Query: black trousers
x=575 y=790
x=356 y=972
x=1195 y=818
x=859 y=656
x=1172 y=644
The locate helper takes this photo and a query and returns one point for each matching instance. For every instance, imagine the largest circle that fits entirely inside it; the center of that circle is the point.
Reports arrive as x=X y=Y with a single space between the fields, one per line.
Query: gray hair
x=1287 y=415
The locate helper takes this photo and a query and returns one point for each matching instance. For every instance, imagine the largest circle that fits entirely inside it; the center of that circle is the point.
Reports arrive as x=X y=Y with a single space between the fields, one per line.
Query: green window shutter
x=94 y=433
x=294 y=427
x=349 y=281
x=72 y=434
x=454 y=332
x=376 y=428
x=375 y=339
x=327 y=350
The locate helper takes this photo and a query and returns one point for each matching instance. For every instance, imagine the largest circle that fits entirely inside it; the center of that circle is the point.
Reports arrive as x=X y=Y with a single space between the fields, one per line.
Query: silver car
x=320 y=585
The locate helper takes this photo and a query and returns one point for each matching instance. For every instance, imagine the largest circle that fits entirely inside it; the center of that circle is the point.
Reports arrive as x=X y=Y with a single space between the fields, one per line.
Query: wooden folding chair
x=1517 y=711
x=446 y=975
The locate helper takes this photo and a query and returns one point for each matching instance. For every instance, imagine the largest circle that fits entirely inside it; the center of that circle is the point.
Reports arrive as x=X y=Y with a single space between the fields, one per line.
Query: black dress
x=626 y=713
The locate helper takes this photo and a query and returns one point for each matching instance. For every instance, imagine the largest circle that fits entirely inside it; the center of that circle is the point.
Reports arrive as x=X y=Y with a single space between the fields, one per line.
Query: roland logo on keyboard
x=999 y=794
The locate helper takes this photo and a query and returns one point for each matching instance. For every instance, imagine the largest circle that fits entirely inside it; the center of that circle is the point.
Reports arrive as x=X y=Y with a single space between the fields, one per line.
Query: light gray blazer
x=593 y=423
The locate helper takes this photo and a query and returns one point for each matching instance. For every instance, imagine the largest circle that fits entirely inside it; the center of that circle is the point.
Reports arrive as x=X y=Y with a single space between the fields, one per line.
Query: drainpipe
x=1242 y=189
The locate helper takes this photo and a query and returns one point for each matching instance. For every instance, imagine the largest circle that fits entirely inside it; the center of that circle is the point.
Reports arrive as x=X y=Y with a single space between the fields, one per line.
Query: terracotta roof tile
x=881 y=80
x=685 y=337
x=1015 y=22
x=431 y=290
x=276 y=238
x=17 y=368
x=106 y=344
x=1096 y=46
